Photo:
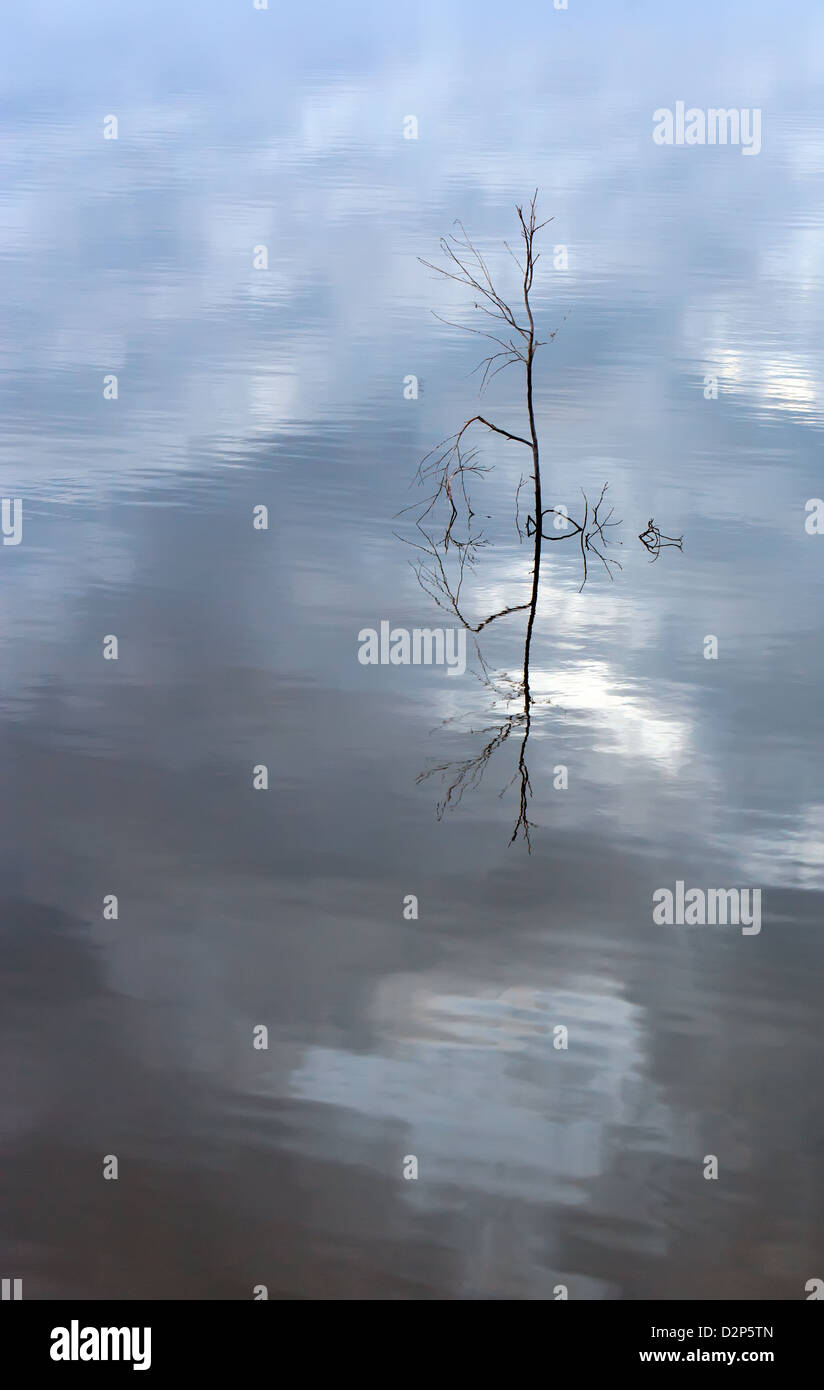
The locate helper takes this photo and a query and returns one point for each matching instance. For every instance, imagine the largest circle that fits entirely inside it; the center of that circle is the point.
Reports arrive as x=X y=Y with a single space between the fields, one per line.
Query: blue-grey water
x=540 y=1168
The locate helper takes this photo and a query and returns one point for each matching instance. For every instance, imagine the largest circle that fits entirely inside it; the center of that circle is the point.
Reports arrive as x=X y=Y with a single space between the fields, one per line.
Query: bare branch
x=654 y=541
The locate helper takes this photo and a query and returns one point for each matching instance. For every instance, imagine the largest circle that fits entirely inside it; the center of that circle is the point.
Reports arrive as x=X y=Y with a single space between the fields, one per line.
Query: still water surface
x=390 y=1037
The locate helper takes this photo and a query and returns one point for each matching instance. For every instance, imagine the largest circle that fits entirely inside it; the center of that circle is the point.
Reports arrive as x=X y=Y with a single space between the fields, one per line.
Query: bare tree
x=450 y=543
x=449 y=466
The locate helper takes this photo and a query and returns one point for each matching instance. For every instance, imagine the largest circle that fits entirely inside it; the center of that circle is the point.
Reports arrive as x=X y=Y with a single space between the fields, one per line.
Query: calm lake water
x=391 y=1037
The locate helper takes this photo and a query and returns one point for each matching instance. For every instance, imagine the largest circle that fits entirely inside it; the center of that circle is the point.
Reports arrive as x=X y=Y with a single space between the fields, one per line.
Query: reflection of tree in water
x=462 y=775
x=450 y=542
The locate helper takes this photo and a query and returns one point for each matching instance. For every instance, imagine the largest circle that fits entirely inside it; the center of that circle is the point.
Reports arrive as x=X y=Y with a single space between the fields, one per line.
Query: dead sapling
x=445 y=520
